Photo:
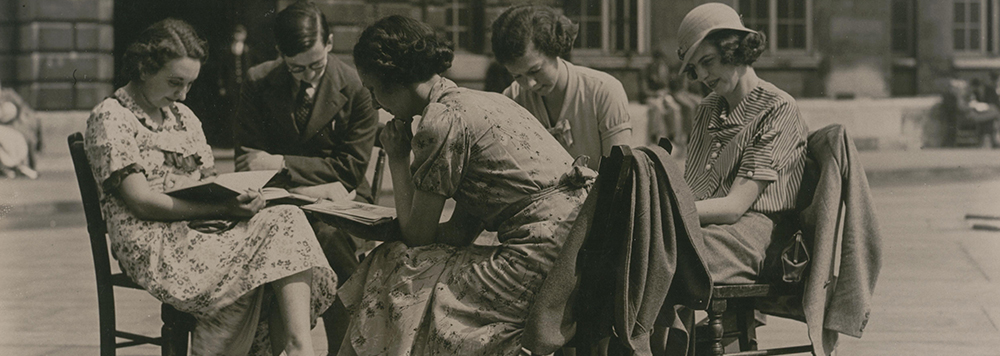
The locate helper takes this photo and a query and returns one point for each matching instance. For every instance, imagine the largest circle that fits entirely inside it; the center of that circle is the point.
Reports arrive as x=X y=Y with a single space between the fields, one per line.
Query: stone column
x=63 y=58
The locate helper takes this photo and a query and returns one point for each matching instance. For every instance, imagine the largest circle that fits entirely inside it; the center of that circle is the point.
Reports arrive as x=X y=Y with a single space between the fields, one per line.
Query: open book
x=363 y=213
x=276 y=195
x=223 y=186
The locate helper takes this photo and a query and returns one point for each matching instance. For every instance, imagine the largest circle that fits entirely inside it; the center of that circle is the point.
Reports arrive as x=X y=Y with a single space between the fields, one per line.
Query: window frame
x=608 y=31
x=910 y=28
x=772 y=30
x=453 y=30
x=983 y=28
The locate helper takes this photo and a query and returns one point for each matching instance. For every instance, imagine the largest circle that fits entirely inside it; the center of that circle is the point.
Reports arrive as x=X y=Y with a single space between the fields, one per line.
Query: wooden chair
x=380 y=158
x=741 y=299
x=173 y=339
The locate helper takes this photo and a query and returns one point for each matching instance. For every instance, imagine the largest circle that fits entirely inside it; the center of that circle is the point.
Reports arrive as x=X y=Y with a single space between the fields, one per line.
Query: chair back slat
x=614 y=187
x=88 y=186
x=96 y=226
x=380 y=158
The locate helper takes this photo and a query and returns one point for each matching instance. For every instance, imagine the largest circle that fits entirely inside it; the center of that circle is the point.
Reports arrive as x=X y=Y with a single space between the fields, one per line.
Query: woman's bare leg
x=276 y=332
x=294 y=295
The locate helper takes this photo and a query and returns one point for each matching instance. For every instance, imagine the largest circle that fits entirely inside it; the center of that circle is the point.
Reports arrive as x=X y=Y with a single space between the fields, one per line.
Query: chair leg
x=715 y=311
x=747 y=324
x=107 y=323
x=174 y=333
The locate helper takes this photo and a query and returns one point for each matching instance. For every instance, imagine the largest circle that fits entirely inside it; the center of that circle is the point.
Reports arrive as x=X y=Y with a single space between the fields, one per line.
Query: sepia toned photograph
x=499 y=177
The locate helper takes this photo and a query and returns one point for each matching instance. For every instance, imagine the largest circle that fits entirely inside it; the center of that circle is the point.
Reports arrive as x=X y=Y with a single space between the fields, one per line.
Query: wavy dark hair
x=401 y=50
x=552 y=33
x=160 y=43
x=297 y=27
x=735 y=47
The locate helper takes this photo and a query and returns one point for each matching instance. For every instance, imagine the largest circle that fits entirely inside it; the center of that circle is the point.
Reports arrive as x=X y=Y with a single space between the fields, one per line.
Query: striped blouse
x=763 y=138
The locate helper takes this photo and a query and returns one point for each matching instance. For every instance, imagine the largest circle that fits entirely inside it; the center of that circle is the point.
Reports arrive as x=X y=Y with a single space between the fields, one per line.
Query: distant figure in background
x=20 y=136
x=993 y=90
x=687 y=100
x=663 y=111
x=969 y=120
x=584 y=109
x=233 y=65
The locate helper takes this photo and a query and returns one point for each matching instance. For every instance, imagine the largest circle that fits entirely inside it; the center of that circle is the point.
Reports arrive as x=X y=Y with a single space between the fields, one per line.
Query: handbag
x=794 y=259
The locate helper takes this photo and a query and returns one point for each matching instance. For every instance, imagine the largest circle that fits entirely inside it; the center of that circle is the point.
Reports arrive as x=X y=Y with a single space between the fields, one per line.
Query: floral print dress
x=502 y=166
x=217 y=277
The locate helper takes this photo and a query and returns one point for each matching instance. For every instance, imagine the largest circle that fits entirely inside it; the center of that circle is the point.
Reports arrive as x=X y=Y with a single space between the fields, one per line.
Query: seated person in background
x=431 y=291
x=20 y=136
x=308 y=112
x=747 y=150
x=141 y=142
x=977 y=120
x=663 y=112
x=586 y=110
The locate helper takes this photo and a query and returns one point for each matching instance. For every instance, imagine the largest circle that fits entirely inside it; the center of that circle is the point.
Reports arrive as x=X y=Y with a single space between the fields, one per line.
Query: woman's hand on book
x=173 y=180
x=247 y=204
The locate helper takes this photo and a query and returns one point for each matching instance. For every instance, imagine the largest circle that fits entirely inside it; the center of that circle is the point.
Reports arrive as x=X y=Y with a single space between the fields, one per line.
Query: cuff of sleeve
x=618 y=129
x=758 y=173
x=113 y=181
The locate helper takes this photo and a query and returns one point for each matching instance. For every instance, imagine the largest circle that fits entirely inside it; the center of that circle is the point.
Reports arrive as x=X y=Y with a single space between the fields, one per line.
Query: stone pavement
x=936 y=295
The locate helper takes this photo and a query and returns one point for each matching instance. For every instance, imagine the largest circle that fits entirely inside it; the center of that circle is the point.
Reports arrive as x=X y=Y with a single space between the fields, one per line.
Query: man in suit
x=308 y=112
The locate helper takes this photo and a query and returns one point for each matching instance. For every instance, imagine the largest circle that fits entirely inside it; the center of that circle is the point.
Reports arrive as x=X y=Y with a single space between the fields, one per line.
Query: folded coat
x=625 y=256
x=838 y=221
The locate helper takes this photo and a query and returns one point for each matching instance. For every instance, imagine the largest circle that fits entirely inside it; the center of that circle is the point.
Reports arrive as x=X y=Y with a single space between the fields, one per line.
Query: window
x=787 y=23
x=609 y=26
x=968 y=29
x=459 y=21
x=903 y=29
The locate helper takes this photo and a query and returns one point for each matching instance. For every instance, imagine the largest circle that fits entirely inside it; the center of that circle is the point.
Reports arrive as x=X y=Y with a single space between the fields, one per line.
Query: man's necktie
x=305 y=106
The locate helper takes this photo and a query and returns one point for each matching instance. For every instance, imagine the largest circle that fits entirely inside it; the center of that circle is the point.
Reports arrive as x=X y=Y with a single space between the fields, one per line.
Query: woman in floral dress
x=255 y=279
x=432 y=292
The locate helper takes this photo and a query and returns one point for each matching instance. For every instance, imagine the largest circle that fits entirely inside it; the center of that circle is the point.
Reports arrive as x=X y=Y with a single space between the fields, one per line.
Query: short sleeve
x=612 y=110
x=440 y=150
x=777 y=141
x=111 y=146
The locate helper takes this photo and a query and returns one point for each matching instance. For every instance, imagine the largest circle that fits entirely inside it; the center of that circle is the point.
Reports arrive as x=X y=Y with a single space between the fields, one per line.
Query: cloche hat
x=702 y=21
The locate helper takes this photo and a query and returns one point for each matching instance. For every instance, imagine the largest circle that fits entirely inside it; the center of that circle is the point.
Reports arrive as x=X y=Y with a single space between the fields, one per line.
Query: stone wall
x=57 y=53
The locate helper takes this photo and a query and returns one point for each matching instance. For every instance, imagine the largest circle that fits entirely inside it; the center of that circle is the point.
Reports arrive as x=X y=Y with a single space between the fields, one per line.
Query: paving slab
x=936 y=294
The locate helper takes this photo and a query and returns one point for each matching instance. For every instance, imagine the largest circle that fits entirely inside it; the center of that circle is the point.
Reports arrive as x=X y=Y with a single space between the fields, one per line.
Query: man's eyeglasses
x=317 y=65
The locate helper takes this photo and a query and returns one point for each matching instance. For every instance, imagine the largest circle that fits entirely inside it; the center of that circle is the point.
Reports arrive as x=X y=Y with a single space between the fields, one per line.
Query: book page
x=241 y=181
x=360 y=212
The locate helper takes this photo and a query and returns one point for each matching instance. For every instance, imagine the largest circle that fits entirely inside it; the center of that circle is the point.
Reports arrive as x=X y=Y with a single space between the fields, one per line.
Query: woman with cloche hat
x=748 y=145
x=747 y=149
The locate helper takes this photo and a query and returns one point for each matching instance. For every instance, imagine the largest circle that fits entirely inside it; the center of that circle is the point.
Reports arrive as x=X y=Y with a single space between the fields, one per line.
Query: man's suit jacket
x=338 y=139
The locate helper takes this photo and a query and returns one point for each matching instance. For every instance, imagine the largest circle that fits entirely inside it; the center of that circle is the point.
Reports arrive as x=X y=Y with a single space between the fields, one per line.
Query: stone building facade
x=57 y=53
x=61 y=54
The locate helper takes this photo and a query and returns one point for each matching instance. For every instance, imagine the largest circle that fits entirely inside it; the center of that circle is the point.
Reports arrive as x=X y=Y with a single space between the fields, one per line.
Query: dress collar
x=171 y=115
